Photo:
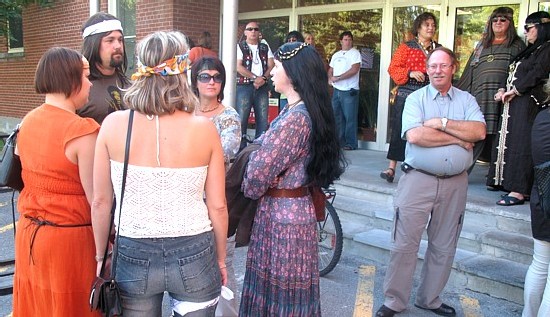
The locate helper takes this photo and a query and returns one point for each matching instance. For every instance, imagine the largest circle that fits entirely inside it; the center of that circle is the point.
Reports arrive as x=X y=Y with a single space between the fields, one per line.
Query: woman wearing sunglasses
x=522 y=97
x=208 y=83
x=486 y=72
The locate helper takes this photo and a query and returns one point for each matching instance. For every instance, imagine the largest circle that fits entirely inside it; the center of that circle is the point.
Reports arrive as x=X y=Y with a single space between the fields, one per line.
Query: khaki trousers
x=438 y=204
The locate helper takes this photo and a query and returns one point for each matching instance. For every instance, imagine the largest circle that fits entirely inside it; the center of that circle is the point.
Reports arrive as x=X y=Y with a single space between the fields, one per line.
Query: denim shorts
x=185 y=267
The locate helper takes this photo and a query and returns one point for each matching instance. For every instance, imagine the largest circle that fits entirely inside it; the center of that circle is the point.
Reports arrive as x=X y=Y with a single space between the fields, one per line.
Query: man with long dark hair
x=103 y=46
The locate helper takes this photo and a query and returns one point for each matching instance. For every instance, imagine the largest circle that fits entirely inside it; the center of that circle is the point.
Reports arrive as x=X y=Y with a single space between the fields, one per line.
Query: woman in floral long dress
x=299 y=150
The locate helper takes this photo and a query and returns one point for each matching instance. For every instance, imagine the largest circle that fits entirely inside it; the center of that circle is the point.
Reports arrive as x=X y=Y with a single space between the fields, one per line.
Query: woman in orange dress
x=54 y=244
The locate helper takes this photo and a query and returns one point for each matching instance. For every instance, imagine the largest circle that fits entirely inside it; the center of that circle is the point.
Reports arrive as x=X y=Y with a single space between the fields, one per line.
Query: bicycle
x=330 y=235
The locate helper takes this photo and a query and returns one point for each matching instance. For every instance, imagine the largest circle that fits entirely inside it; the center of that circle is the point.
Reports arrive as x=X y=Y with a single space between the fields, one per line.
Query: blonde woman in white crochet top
x=170 y=239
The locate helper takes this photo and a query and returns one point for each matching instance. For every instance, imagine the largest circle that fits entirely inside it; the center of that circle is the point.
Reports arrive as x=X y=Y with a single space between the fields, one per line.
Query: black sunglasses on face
x=499 y=18
x=253 y=29
x=205 y=78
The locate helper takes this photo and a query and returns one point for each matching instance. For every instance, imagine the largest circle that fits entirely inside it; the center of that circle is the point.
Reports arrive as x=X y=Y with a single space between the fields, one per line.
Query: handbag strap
x=13 y=138
x=124 y=172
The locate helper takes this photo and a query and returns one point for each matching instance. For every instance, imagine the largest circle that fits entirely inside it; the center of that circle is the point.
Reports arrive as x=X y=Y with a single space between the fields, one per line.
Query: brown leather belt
x=287 y=193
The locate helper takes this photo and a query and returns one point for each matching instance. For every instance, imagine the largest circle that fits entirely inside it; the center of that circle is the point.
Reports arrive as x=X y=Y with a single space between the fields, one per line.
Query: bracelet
x=99 y=258
x=265 y=78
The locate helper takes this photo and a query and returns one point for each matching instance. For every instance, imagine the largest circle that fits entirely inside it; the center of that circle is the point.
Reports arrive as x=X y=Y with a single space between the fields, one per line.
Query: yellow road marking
x=470 y=307
x=7 y=227
x=364 y=299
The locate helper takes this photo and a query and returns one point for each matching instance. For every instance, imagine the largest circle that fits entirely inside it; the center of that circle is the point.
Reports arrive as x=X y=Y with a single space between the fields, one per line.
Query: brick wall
x=60 y=24
x=43 y=27
x=191 y=17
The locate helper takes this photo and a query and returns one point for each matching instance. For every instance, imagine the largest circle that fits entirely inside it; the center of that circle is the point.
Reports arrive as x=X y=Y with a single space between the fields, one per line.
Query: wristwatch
x=444 y=124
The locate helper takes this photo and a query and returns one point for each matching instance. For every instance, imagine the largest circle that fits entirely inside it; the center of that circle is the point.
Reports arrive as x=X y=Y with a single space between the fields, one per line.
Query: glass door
x=366 y=28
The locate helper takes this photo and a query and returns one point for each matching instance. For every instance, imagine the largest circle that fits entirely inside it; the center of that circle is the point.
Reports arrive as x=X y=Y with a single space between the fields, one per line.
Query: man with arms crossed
x=441 y=124
x=254 y=63
x=103 y=46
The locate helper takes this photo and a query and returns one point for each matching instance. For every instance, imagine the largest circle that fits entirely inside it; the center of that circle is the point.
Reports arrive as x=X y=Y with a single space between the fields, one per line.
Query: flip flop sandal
x=526 y=198
x=388 y=174
x=510 y=201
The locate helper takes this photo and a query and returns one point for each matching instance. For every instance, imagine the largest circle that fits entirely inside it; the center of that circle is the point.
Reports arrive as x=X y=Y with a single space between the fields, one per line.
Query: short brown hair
x=451 y=54
x=59 y=71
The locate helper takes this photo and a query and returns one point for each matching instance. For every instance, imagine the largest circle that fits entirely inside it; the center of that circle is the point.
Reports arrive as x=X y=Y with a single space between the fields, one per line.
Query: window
x=15 y=33
x=126 y=13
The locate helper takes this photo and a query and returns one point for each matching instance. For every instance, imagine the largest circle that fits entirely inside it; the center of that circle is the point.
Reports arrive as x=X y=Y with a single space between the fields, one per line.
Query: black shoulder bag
x=105 y=295
x=10 y=166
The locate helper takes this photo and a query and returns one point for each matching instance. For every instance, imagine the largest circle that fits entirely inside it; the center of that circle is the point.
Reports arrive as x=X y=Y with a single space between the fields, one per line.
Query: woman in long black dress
x=513 y=168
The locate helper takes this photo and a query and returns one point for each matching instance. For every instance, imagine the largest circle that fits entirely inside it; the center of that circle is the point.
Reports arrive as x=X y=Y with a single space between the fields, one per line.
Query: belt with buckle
x=407 y=168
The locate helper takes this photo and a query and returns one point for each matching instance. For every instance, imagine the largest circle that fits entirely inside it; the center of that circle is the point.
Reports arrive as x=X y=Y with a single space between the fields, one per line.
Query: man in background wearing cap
x=103 y=46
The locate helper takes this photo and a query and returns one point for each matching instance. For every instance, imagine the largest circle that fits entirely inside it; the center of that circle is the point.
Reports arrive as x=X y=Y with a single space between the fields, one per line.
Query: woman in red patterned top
x=408 y=71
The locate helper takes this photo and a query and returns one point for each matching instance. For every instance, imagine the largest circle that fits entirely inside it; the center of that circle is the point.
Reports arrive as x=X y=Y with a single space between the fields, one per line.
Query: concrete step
x=480 y=232
x=498 y=277
x=495 y=246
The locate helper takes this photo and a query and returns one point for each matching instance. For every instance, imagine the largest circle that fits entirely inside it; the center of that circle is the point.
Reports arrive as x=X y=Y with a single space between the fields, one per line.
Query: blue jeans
x=345 y=105
x=185 y=267
x=248 y=96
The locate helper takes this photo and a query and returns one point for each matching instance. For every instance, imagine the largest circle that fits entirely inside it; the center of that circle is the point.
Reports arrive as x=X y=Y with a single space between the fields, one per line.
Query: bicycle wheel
x=331 y=240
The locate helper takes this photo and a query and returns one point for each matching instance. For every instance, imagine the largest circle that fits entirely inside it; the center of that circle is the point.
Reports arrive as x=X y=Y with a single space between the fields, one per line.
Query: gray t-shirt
x=105 y=97
x=427 y=103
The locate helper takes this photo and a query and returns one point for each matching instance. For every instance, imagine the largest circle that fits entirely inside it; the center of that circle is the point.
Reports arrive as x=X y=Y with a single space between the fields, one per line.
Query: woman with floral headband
x=170 y=240
x=299 y=150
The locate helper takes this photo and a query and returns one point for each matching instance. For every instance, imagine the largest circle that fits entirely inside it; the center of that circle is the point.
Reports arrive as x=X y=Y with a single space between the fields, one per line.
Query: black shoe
x=384 y=311
x=443 y=310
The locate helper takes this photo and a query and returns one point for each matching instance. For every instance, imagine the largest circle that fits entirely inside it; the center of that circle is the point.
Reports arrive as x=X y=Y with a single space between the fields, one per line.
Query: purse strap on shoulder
x=123 y=186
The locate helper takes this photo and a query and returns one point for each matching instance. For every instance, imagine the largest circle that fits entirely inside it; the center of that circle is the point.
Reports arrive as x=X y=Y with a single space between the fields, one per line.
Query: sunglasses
x=205 y=78
x=499 y=19
x=253 y=29
x=527 y=27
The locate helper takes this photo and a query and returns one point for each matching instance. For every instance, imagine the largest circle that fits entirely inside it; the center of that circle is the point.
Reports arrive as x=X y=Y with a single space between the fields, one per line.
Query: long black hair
x=541 y=19
x=91 y=44
x=305 y=69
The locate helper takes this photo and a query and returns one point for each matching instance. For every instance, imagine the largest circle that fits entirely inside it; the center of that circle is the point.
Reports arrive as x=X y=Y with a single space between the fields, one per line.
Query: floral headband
x=174 y=66
x=288 y=55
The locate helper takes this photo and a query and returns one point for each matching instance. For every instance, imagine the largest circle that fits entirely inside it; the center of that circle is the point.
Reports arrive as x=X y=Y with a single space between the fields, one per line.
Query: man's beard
x=116 y=62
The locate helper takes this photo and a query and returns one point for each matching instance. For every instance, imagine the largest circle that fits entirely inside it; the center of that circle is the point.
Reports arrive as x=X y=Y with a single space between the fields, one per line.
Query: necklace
x=210 y=110
x=291 y=105
x=426 y=49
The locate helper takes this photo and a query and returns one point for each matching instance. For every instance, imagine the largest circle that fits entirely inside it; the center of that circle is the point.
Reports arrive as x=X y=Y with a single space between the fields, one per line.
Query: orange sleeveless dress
x=54 y=266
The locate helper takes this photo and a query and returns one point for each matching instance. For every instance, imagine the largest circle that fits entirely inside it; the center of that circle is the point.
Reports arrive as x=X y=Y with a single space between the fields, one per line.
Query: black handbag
x=10 y=166
x=105 y=294
x=542 y=181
